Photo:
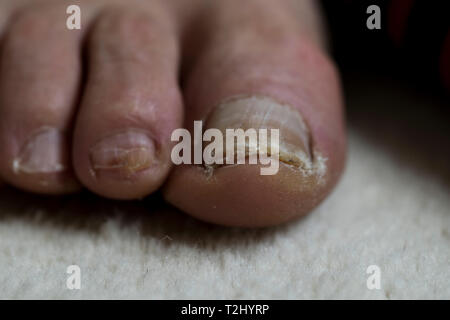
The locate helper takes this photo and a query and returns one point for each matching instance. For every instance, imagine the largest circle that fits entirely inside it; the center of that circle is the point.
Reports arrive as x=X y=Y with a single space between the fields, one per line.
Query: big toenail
x=259 y=112
x=42 y=152
x=123 y=154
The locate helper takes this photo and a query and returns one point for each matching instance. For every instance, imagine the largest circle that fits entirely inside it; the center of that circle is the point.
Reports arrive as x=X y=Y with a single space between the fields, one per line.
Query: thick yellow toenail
x=123 y=154
x=261 y=112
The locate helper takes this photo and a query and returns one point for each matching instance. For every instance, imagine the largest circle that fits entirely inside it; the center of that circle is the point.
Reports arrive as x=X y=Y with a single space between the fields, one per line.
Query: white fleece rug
x=391 y=209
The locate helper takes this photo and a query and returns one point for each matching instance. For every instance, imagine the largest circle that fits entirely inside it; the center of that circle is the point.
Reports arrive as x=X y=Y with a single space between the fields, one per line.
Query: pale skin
x=95 y=107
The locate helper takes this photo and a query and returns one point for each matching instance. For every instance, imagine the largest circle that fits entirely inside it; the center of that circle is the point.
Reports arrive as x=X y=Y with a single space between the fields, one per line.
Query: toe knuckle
x=125 y=22
x=29 y=25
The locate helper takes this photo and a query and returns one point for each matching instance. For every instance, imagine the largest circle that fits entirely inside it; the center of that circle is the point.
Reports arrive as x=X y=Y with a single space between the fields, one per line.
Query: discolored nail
x=259 y=112
x=44 y=151
x=123 y=154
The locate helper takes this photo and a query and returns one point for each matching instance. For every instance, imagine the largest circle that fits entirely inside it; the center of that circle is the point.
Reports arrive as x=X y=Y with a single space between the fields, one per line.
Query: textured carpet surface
x=391 y=209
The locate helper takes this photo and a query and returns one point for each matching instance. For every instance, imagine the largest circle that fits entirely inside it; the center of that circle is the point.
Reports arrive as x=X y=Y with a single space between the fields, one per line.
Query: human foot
x=253 y=64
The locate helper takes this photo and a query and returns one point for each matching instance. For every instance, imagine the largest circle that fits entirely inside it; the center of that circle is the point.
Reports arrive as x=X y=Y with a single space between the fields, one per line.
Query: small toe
x=131 y=103
x=39 y=83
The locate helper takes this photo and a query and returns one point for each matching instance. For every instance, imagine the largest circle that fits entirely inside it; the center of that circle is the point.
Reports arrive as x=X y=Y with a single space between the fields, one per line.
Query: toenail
x=42 y=152
x=260 y=112
x=123 y=154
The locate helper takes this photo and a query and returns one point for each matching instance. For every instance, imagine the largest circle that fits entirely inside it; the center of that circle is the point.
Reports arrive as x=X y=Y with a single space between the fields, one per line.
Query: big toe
x=259 y=68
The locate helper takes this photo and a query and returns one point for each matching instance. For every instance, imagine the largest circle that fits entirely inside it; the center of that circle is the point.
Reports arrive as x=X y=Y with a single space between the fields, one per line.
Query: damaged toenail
x=42 y=152
x=261 y=112
x=123 y=154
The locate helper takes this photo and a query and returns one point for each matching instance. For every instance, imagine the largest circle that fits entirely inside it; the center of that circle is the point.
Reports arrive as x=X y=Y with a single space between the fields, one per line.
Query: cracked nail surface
x=43 y=152
x=123 y=154
x=260 y=112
